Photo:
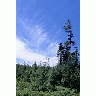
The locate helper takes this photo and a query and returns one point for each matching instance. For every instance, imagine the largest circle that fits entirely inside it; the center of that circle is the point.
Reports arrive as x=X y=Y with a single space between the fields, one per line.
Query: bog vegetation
x=60 y=80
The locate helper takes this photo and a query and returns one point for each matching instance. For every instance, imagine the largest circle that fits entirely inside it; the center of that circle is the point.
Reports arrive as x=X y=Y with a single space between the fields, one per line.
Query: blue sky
x=39 y=28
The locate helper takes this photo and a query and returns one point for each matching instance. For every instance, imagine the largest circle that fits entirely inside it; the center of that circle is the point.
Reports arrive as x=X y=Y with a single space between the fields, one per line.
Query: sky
x=39 y=28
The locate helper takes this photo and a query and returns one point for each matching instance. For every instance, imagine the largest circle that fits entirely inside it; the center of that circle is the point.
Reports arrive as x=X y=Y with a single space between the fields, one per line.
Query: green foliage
x=61 y=91
x=46 y=80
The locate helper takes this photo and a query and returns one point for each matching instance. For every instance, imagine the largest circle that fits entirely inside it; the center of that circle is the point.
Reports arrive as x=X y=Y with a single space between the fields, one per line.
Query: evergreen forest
x=60 y=80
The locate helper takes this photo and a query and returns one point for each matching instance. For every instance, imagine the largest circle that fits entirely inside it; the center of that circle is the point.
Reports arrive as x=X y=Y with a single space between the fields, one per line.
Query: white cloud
x=23 y=53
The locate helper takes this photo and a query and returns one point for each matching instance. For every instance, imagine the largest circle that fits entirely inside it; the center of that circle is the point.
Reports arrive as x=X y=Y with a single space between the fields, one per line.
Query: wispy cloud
x=22 y=52
x=34 y=33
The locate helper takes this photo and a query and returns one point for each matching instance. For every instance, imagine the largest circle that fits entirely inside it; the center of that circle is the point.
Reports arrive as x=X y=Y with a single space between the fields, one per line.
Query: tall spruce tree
x=68 y=28
x=69 y=43
x=67 y=67
x=64 y=52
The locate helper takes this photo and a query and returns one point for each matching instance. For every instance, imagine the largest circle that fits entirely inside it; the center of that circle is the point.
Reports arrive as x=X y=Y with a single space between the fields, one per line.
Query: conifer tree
x=64 y=52
x=68 y=28
x=69 y=43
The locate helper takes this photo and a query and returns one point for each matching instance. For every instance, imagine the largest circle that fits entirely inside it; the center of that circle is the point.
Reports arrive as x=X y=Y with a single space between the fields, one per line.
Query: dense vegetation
x=60 y=80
